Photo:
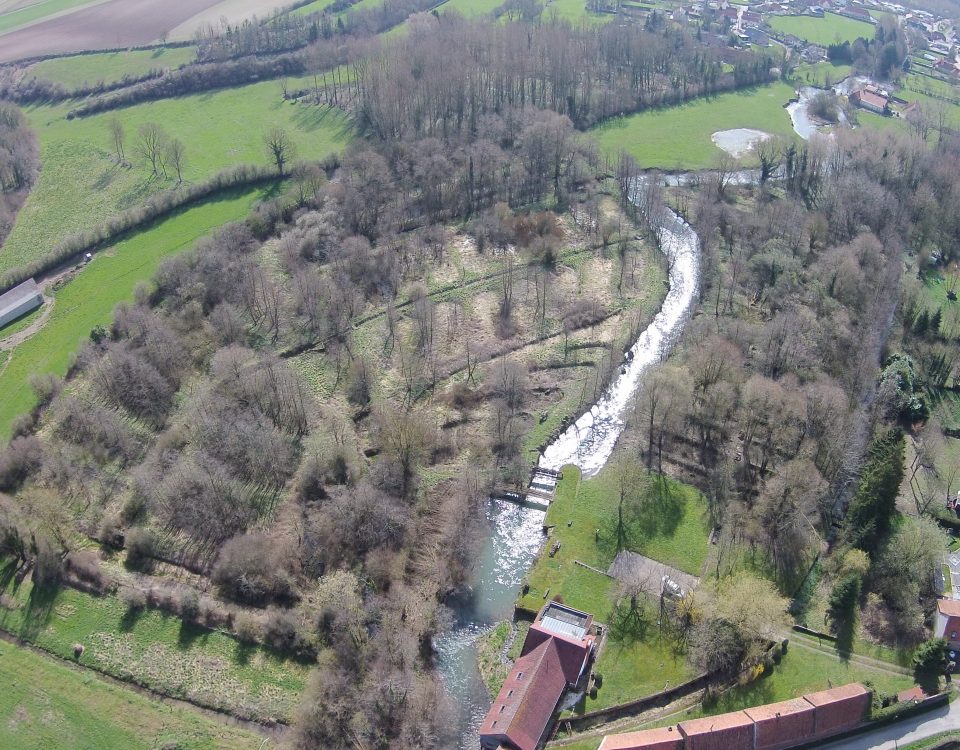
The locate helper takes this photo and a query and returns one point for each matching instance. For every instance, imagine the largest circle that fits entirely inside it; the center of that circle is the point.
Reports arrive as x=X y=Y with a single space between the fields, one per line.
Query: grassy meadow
x=831 y=29
x=154 y=649
x=81 y=183
x=46 y=704
x=78 y=70
x=679 y=137
x=88 y=299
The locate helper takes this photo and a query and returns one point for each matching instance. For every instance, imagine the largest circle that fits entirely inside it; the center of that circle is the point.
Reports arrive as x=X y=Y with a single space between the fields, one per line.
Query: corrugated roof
x=15 y=296
x=562 y=627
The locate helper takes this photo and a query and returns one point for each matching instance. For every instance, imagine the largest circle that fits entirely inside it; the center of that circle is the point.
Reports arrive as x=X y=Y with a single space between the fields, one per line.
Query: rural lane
x=903 y=733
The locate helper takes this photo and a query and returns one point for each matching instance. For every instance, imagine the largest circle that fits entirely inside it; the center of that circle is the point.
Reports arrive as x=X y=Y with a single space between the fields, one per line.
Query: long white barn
x=20 y=300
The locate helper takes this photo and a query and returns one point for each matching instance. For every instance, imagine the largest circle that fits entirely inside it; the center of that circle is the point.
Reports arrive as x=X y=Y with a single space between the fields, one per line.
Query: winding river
x=516 y=533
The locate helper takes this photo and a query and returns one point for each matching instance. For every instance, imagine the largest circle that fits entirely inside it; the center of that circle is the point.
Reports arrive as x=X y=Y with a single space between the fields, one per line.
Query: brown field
x=120 y=23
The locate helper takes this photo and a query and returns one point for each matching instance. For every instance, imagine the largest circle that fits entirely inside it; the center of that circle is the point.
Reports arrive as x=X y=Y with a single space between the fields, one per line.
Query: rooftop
x=825 y=697
x=775 y=710
x=15 y=296
x=949 y=607
x=561 y=620
x=666 y=738
x=709 y=724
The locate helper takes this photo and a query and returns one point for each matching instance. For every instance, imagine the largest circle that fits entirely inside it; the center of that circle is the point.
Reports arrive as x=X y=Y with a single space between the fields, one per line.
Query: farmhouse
x=20 y=300
x=869 y=100
x=555 y=656
x=948 y=622
x=776 y=726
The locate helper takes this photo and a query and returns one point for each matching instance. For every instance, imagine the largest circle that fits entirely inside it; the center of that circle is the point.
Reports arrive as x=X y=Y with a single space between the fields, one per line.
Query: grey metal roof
x=16 y=296
x=564 y=621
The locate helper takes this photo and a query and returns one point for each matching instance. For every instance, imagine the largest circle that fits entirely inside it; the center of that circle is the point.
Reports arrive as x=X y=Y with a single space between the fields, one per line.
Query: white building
x=20 y=300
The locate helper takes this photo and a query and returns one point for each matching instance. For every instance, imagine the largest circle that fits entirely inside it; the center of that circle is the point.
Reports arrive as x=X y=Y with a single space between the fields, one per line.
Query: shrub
x=23 y=457
x=85 y=566
x=247 y=627
x=189 y=605
x=930 y=658
x=280 y=630
x=133 y=598
x=252 y=570
x=141 y=549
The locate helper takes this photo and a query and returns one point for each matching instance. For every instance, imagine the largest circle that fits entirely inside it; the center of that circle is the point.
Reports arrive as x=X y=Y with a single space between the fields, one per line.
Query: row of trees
x=19 y=164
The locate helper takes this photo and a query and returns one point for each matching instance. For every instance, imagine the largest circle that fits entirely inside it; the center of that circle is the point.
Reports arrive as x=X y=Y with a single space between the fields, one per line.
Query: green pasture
x=78 y=70
x=37 y=11
x=821 y=74
x=81 y=183
x=154 y=649
x=46 y=704
x=679 y=137
x=88 y=300
x=831 y=29
x=318 y=5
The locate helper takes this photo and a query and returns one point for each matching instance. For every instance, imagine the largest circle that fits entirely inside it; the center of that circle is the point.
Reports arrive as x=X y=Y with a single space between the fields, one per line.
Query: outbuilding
x=19 y=301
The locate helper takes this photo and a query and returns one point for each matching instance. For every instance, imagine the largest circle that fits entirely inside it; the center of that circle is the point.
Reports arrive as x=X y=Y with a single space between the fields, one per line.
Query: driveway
x=637 y=570
x=903 y=733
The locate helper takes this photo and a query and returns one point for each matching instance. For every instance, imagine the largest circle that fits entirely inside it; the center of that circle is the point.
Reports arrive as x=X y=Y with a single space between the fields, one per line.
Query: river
x=516 y=533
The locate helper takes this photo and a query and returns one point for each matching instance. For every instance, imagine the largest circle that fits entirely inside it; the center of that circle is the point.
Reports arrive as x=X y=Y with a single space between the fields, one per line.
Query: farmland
x=82 y=184
x=88 y=300
x=50 y=705
x=831 y=29
x=154 y=649
x=679 y=137
x=21 y=16
x=79 y=70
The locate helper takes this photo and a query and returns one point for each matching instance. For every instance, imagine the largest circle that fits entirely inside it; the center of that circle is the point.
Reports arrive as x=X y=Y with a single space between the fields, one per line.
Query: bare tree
x=280 y=148
x=117 y=134
x=175 y=155
x=151 y=145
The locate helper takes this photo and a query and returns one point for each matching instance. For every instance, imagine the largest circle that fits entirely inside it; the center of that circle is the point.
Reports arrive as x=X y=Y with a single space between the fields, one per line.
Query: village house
x=19 y=301
x=947 y=625
x=775 y=726
x=872 y=101
x=556 y=655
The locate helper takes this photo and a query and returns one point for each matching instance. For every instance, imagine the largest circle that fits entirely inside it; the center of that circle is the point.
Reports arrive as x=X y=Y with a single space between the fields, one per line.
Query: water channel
x=516 y=533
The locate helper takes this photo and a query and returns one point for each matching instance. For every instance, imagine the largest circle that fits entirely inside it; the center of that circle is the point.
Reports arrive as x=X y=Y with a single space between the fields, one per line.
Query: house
x=839 y=709
x=20 y=300
x=666 y=738
x=870 y=101
x=947 y=625
x=555 y=655
x=777 y=725
x=733 y=731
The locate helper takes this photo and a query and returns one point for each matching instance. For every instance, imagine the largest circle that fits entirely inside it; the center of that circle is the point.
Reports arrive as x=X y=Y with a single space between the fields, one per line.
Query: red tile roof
x=840 y=708
x=667 y=738
x=778 y=725
x=573 y=654
x=733 y=731
x=949 y=607
x=527 y=700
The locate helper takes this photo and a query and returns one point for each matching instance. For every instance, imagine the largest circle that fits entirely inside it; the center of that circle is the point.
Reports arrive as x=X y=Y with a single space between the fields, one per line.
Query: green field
x=679 y=137
x=821 y=74
x=35 y=12
x=45 y=704
x=81 y=183
x=154 y=649
x=88 y=300
x=472 y=7
x=318 y=5
x=831 y=29
x=77 y=70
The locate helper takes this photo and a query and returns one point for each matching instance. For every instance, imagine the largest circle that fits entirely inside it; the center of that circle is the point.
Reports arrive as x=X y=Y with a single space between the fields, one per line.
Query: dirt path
x=810 y=643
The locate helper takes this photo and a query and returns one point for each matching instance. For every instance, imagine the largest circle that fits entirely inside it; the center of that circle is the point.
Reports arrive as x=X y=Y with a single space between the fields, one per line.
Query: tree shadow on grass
x=39 y=608
x=657 y=516
x=243 y=652
x=189 y=634
x=130 y=618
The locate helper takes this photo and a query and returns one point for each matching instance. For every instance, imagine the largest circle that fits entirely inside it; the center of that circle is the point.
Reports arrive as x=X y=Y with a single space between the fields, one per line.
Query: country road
x=903 y=733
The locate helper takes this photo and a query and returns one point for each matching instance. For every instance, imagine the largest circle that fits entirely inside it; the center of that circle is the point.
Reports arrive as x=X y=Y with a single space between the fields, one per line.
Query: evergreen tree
x=874 y=503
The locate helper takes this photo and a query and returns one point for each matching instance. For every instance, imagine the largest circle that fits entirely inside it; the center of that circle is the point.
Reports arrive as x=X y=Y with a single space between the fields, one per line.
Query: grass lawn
x=154 y=649
x=472 y=7
x=45 y=704
x=34 y=12
x=77 y=70
x=674 y=530
x=821 y=74
x=679 y=137
x=831 y=29
x=319 y=5
x=81 y=184
x=88 y=300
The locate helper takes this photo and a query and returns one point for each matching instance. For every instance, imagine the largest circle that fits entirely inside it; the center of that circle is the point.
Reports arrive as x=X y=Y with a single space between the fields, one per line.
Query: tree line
x=19 y=164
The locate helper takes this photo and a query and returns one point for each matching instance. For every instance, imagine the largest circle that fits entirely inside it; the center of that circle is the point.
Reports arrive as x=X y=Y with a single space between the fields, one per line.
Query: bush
x=85 y=566
x=280 y=630
x=134 y=599
x=23 y=457
x=247 y=627
x=141 y=549
x=930 y=658
x=251 y=569
x=189 y=605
